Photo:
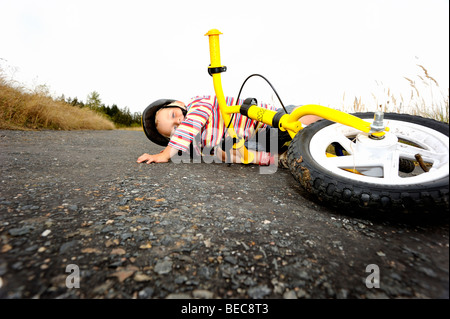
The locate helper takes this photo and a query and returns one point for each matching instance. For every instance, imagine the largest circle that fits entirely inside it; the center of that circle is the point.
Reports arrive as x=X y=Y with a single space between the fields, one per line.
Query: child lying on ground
x=199 y=125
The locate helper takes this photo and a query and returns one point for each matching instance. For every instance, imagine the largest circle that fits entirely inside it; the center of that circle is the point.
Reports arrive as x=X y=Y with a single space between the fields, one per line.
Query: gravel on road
x=79 y=218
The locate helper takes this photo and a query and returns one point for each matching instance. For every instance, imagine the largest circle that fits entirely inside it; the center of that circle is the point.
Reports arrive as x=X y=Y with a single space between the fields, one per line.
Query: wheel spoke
x=390 y=168
x=342 y=161
x=409 y=152
x=351 y=161
x=344 y=141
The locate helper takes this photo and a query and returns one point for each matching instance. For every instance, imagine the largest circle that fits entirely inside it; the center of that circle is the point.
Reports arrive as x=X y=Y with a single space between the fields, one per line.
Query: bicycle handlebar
x=214 y=52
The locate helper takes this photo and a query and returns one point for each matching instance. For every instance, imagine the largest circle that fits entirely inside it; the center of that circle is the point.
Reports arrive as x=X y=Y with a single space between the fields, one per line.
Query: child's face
x=167 y=120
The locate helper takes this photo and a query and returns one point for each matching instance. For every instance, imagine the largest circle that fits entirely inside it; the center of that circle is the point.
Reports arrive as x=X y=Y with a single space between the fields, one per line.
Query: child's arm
x=162 y=157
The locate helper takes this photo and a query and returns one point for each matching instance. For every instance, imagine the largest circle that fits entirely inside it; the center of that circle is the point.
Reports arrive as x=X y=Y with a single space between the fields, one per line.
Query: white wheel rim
x=434 y=148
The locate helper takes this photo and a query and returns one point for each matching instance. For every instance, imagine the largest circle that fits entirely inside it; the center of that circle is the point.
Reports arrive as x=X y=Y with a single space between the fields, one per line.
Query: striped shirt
x=204 y=121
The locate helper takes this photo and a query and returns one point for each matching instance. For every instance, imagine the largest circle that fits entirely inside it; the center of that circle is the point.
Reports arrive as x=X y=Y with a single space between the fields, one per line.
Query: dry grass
x=23 y=109
x=132 y=128
x=426 y=99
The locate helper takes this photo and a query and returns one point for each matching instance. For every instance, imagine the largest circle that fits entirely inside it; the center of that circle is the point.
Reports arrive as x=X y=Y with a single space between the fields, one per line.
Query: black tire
x=350 y=195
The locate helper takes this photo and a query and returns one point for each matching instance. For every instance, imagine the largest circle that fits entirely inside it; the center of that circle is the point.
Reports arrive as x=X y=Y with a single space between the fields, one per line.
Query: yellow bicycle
x=354 y=161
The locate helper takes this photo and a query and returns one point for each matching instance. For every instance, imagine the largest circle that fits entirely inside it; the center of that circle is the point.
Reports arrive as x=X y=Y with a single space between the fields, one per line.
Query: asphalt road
x=79 y=218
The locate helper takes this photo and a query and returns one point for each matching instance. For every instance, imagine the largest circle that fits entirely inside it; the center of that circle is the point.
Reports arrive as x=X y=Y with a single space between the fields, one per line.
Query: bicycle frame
x=288 y=122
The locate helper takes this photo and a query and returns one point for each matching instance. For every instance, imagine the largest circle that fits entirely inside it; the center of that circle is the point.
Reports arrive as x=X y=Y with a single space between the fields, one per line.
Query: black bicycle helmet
x=148 y=121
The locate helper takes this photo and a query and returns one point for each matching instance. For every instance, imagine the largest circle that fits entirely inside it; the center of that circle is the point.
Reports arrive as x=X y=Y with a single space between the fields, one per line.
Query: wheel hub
x=375 y=150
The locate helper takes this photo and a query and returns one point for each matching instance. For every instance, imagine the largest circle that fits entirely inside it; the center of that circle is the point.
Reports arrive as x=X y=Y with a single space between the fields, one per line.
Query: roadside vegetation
x=25 y=109
x=22 y=108
x=122 y=118
x=427 y=99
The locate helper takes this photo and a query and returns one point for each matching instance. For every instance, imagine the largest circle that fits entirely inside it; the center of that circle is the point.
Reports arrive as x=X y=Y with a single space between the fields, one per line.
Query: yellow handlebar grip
x=214 y=47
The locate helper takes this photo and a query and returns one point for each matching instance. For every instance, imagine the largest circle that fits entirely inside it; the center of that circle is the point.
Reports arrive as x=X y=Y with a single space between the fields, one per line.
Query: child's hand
x=147 y=158
x=163 y=157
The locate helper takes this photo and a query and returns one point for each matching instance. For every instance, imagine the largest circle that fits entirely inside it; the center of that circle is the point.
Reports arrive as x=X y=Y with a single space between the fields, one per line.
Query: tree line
x=120 y=117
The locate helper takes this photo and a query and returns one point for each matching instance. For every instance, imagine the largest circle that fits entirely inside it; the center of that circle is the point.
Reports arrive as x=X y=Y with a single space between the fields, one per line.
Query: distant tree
x=121 y=117
x=137 y=118
x=114 y=111
x=93 y=101
x=75 y=102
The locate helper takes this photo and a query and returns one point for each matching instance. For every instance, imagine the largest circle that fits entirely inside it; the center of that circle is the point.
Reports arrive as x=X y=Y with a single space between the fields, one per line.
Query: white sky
x=134 y=52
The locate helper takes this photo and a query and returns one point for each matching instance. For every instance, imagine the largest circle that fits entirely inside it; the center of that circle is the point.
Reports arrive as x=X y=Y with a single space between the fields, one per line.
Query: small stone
x=259 y=292
x=207 y=243
x=146 y=293
x=231 y=260
x=180 y=279
x=90 y=250
x=290 y=295
x=145 y=220
x=112 y=242
x=20 y=231
x=46 y=232
x=166 y=240
x=122 y=274
x=6 y=248
x=202 y=294
x=126 y=236
x=118 y=251
x=148 y=245
x=107 y=229
x=301 y=293
x=41 y=249
x=428 y=272
x=178 y=296
x=140 y=277
x=31 y=248
x=163 y=267
x=67 y=246
x=103 y=287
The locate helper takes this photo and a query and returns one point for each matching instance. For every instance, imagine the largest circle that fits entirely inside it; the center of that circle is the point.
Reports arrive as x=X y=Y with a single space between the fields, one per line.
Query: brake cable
x=239 y=95
x=237 y=99
x=275 y=91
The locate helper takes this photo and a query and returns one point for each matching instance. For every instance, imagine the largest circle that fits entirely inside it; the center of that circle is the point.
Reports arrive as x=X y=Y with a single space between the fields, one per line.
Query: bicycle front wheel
x=345 y=168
